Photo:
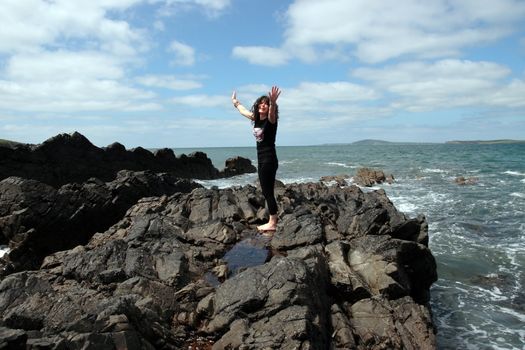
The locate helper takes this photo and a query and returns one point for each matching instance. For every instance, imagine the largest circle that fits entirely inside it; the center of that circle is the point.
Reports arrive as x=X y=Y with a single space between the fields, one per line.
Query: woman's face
x=264 y=107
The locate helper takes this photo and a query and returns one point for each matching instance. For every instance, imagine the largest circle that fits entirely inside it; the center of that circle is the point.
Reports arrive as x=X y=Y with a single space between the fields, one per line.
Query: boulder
x=368 y=177
x=237 y=166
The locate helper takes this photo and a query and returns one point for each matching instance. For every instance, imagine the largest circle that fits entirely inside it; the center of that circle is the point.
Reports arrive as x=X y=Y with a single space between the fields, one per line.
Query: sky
x=160 y=73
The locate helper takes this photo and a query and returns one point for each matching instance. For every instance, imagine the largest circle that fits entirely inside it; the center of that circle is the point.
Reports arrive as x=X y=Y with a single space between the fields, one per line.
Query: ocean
x=477 y=231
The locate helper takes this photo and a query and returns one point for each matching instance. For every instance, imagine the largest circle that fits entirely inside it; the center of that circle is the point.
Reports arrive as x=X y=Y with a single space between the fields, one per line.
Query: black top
x=266 y=148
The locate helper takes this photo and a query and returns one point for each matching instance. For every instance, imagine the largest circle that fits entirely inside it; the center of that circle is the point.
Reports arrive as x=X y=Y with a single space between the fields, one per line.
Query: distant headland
x=8 y=143
x=374 y=142
x=474 y=142
x=486 y=142
x=383 y=142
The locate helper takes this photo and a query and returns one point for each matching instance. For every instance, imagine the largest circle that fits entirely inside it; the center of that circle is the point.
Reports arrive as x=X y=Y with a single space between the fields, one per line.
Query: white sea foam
x=517 y=194
x=299 y=180
x=432 y=170
x=339 y=164
x=520 y=316
x=405 y=204
x=498 y=320
x=3 y=250
x=241 y=180
x=290 y=161
x=513 y=173
x=368 y=189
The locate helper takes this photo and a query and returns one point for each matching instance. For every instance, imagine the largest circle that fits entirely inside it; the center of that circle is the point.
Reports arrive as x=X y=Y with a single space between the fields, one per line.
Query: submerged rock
x=462 y=181
x=344 y=269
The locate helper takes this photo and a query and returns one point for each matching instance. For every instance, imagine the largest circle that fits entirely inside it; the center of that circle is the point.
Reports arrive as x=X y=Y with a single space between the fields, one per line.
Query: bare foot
x=267 y=227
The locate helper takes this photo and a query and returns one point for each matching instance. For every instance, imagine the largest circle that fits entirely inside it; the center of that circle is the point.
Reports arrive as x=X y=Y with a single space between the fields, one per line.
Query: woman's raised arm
x=273 y=95
x=243 y=110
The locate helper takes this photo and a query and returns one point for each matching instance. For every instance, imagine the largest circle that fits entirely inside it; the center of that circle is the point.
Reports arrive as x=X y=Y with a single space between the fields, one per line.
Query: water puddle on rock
x=249 y=252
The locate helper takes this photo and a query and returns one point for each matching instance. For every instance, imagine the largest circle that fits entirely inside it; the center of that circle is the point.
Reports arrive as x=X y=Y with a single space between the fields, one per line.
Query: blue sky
x=159 y=73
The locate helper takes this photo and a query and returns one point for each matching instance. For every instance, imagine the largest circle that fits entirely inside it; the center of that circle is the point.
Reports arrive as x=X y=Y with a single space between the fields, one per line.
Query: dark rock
x=462 y=181
x=68 y=158
x=38 y=220
x=165 y=154
x=298 y=230
x=284 y=299
x=350 y=271
x=369 y=177
x=388 y=267
x=379 y=323
x=340 y=180
x=346 y=282
x=12 y=338
x=237 y=166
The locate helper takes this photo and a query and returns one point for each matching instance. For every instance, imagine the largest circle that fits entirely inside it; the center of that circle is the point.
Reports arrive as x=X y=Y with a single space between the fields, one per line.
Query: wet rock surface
x=369 y=177
x=344 y=269
x=68 y=158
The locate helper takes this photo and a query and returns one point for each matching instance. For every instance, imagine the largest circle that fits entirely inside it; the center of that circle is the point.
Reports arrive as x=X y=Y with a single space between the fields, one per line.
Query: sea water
x=477 y=231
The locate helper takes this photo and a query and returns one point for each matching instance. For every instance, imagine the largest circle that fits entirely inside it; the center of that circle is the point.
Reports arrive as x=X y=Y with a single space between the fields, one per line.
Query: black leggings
x=267 y=173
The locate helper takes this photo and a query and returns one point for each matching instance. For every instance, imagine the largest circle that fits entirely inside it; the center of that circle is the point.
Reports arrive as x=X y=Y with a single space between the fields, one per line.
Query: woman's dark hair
x=255 y=107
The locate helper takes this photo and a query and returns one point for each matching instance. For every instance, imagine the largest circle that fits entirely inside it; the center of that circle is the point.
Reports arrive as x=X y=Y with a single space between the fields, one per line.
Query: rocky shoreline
x=150 y=261
x=68 y=158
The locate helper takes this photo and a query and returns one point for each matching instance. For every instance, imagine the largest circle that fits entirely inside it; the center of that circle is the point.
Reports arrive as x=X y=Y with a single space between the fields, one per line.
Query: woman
x=264 y=114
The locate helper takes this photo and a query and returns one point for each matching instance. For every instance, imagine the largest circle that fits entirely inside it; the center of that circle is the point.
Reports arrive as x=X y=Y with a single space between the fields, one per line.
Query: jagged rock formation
x=68 y=158
x=37 y=219
x=345 y=269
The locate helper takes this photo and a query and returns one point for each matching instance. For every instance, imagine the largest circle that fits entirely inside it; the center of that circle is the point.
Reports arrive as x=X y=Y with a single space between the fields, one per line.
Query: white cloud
x=70 y=56
x=309 y=106
x=33 y=24
x=319 y=105
x=510 y=95
x=184 y=54
x=213 y=8
x=328 y=105
x=216 y=5
x=72 y=95
x=199 y=101
x=159 y=25
x=420 y=86
x=338 y=91
x=169 y=82
x=376 y=31
x=60 y=65
x=63 y=81
x=263 y=55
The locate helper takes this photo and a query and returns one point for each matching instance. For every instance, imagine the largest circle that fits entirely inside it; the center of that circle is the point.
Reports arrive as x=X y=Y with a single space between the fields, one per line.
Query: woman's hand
x=274 y=94
x=235 y=101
